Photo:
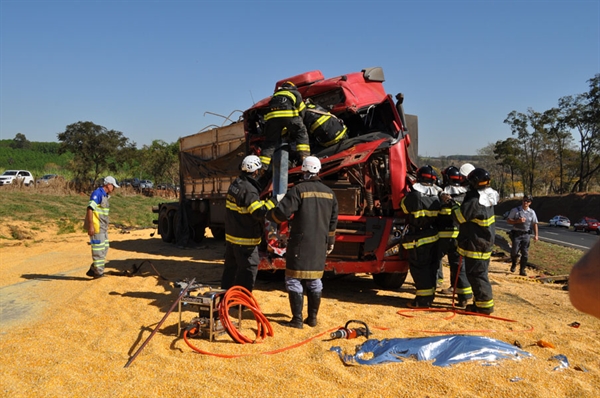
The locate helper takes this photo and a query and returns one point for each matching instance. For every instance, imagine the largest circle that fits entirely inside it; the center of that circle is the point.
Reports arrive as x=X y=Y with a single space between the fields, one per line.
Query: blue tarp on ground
x=442 y=350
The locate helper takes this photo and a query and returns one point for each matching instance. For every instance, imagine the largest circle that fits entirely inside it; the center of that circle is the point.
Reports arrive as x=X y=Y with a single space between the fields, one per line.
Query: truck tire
x=390 y=280
x=165 y=223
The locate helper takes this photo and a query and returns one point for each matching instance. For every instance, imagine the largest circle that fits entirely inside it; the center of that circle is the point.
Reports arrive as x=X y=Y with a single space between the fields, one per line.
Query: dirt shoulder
x=63 y=334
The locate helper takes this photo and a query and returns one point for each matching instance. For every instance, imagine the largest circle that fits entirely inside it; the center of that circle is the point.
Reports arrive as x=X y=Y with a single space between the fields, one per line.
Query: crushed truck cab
x=368 y=173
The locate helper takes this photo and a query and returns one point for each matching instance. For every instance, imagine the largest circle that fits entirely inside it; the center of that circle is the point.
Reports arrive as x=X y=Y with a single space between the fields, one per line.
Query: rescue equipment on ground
x=218 y=310
x=351 y=333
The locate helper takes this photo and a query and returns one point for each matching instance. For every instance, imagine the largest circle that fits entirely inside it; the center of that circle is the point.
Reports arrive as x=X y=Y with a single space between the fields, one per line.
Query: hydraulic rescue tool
x=351 y=333
x=208 y=301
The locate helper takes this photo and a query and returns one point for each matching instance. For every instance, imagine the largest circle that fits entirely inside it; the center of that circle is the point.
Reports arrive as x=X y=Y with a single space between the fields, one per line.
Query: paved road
x=559 y=236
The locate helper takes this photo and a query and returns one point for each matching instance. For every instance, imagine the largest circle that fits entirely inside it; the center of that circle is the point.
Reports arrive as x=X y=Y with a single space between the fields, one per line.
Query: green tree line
x=87 y=151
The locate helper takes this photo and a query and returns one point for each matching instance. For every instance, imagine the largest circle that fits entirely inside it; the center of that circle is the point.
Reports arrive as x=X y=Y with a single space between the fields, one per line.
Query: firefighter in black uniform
x=324 y=128
x=284 y=125
x=422 y=206
x=448 y=233
x=244 y=223
x=477 y=229
x=312 y=236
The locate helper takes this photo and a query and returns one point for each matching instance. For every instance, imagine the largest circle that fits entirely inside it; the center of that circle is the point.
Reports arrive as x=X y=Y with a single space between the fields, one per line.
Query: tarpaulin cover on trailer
x=442 y=350
x=227 y=165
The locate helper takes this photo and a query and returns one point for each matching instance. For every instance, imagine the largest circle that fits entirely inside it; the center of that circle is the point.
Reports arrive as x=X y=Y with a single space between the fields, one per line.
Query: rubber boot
x=513 y=267
x=296 y=305
x=314 y=301
x=523 y=266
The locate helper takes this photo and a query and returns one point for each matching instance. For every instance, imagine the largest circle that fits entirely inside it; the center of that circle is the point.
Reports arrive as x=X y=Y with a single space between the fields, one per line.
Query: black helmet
x=426 y=174
x=479 y=178
x=452 y=176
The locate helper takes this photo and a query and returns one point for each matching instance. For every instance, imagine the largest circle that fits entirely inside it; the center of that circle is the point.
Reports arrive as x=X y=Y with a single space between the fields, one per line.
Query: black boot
x=296 y=305
x=513 y=267
x=314 y=301
x=523 y=266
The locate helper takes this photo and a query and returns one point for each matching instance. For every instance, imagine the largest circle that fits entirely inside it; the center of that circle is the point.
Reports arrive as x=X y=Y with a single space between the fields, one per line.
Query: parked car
x=46 y=179
x=587 y=224
x=12 y=176
x=130 y=182
x=146 y=184
x=560 y=221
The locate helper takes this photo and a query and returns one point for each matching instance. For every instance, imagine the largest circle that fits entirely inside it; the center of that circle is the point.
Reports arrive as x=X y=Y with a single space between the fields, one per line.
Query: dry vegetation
x=63 y=334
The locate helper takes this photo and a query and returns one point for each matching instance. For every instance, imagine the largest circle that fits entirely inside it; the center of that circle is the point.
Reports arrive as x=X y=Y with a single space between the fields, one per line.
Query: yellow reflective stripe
x=242 y=241
x=319 y=122
x=426 y=292
x=312 y=194
x=285 y=93
x=92 y=204
x=302 y=106
x=232 y=206
x=284 y=113
x=303 y=147
x=485 y=304
x=459 y=216
x=404 y=209
x=464 y=290
x=265 y=160
x=102 y=211
x=331 y=233
x=420 y=242
x=445 y=211
x=474 y=255
x=448 y=234
x=336 y=139
x=485 y=223
x=255 y=205
x=425 y=213
x=269 y=204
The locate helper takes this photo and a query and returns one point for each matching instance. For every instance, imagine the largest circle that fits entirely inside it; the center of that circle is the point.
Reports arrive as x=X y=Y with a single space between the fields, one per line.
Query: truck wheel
x=218 y=233
x=390 y=280
x=165 y=223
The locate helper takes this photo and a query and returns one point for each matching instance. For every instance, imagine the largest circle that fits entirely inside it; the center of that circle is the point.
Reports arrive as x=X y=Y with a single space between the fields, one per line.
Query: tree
x=580 y=112
x=559 y=141
x=96 y=149
x=530 y=142
x=20 y=142
x=507 y=154
x=160 y=160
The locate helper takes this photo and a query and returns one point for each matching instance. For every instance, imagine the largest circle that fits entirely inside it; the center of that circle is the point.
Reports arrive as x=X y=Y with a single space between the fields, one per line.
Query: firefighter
x=244 y=222
x=96 y=223
x=324 y=128
x=448 y=233
x=476 y=221
x=312 y=237
x=283 y=124
x=422 y=206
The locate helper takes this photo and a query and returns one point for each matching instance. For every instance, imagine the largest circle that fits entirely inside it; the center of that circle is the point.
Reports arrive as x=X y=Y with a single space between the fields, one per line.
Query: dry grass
x=63 y=334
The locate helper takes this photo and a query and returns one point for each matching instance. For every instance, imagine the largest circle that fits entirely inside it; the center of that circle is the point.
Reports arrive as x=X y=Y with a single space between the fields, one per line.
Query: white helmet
x=466 y=168
x=311 y=164
x=251 y=163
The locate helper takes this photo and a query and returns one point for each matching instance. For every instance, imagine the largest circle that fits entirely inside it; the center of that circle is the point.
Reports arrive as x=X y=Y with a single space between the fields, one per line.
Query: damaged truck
x=369 y=172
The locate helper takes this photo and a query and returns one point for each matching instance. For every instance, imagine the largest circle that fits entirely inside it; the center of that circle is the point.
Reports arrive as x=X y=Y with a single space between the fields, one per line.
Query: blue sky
x=151 y=69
